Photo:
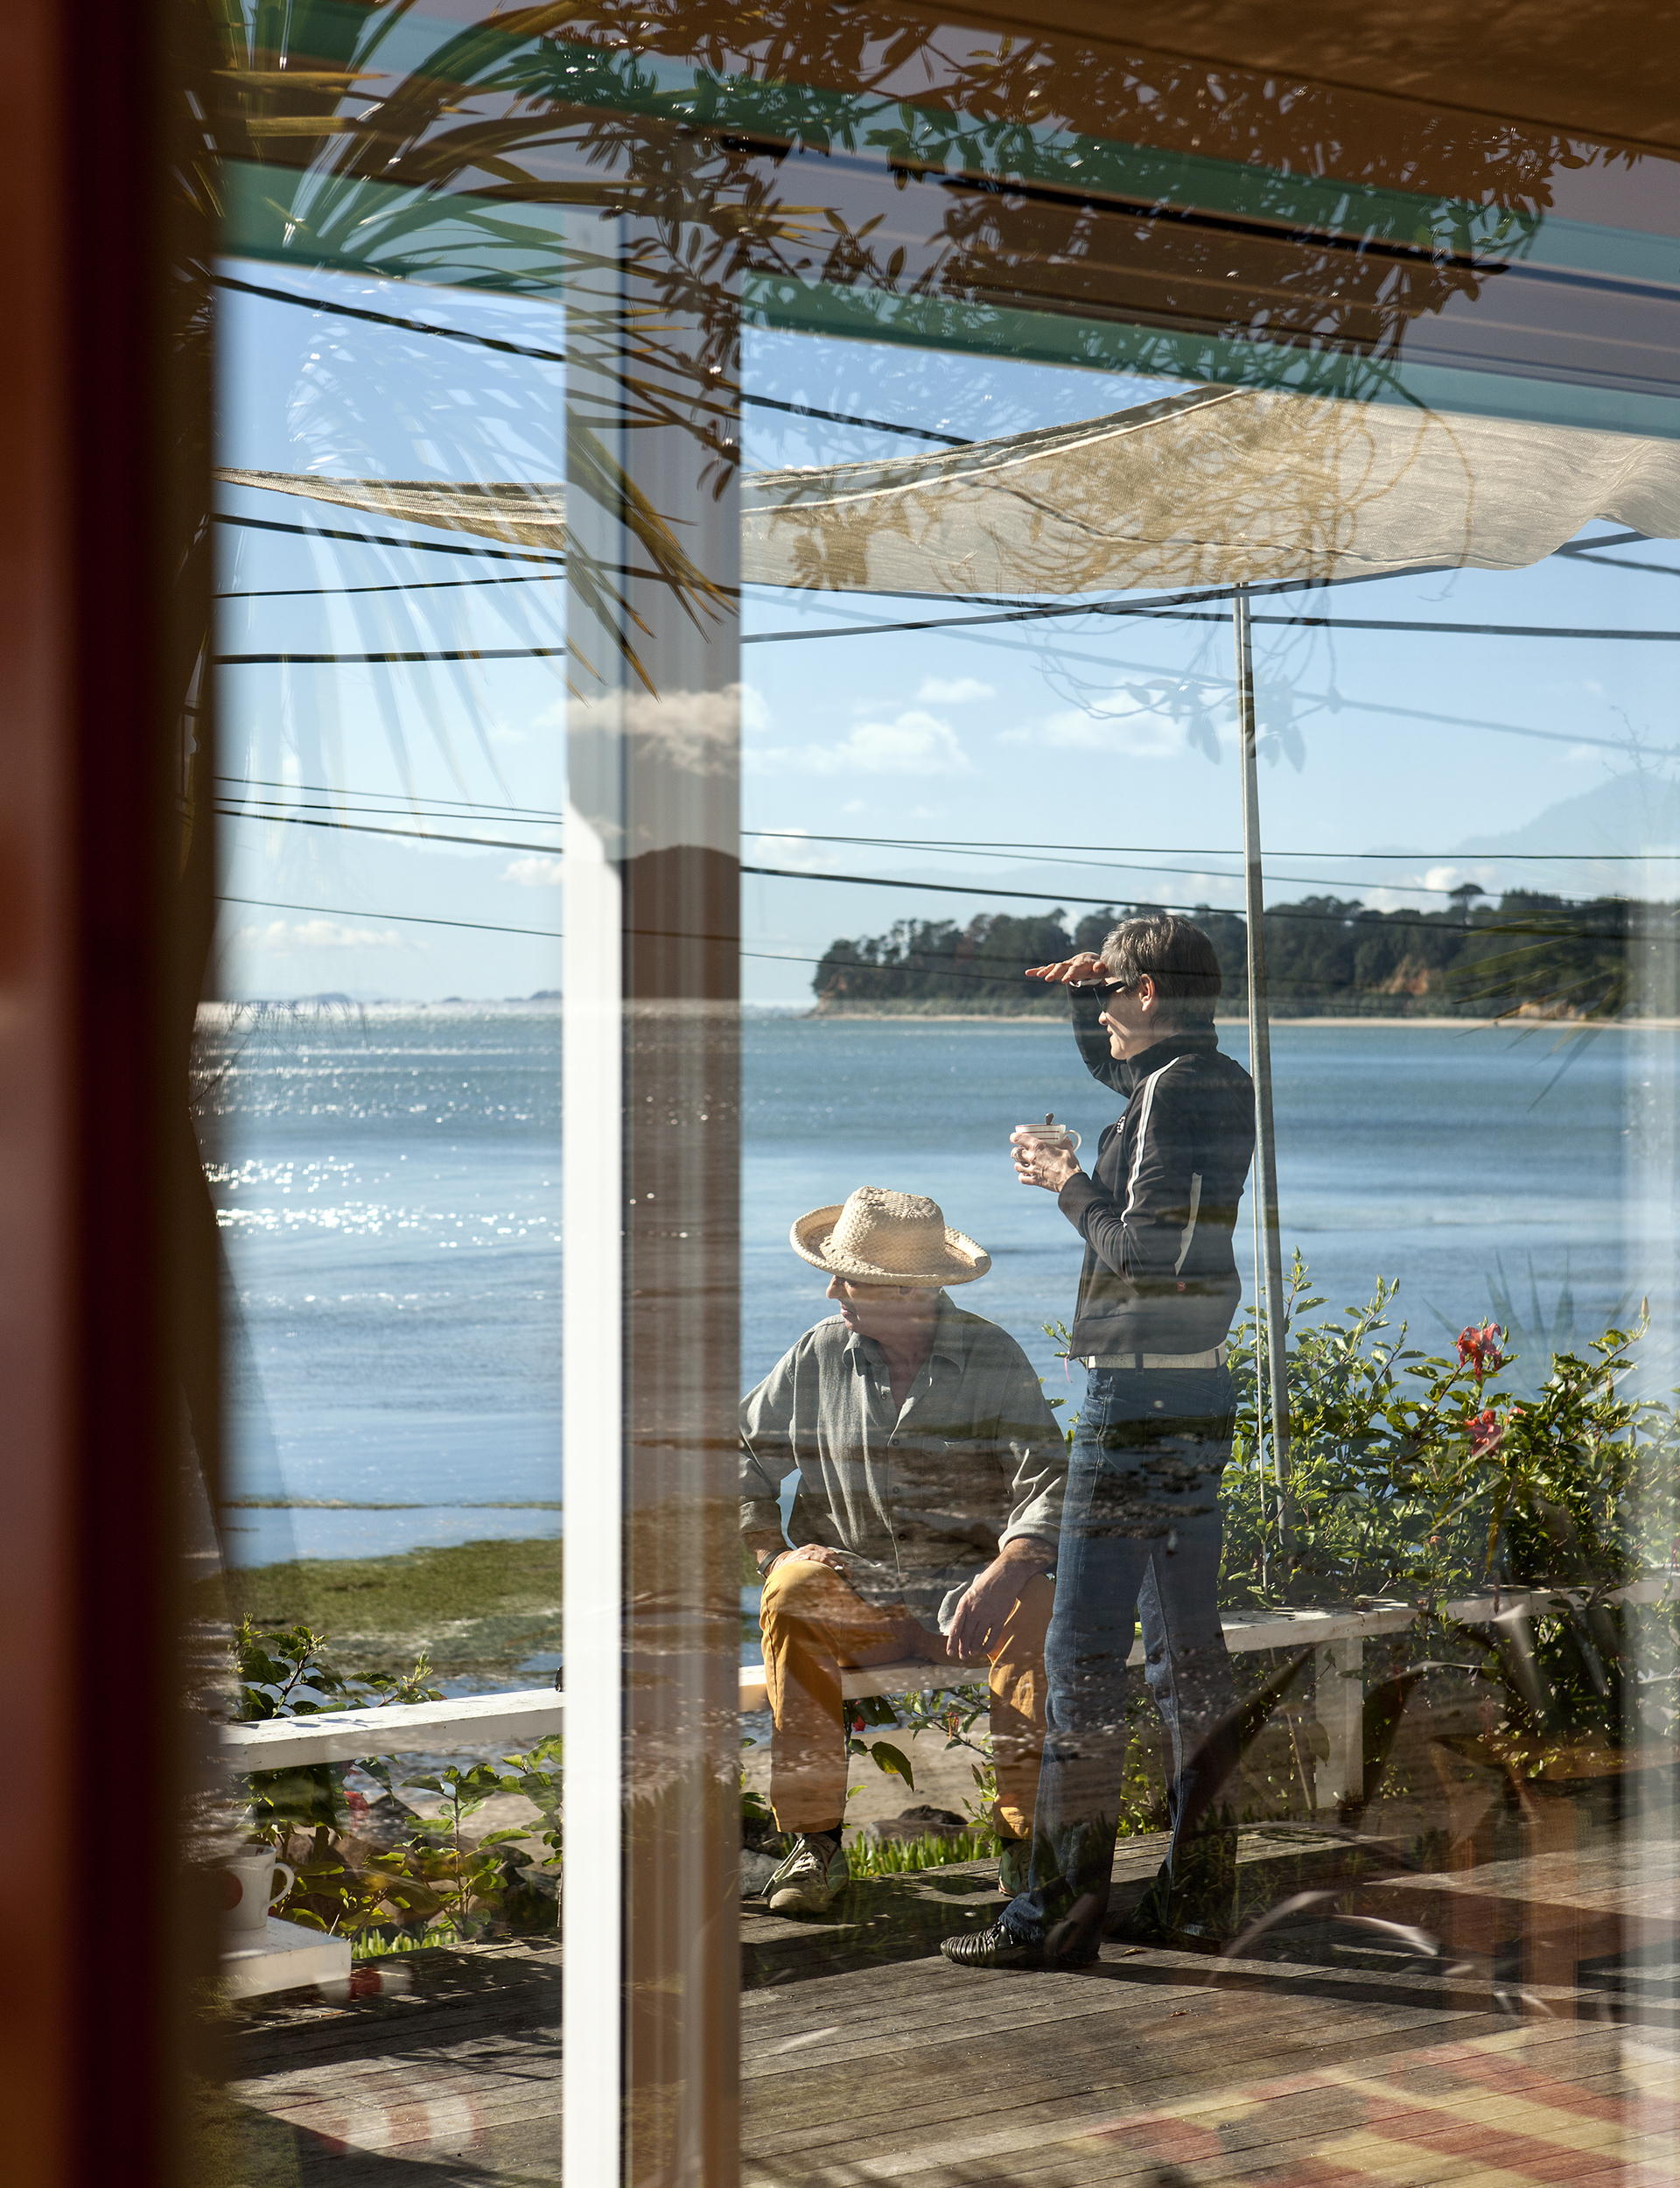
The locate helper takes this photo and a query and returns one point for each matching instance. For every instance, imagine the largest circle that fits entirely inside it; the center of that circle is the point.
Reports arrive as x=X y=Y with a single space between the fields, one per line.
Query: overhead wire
x=384 y=539
x=418 y=919
x=780 y=873
x=552 y=934
x=1058 y=897
x=1012 y=848
x=555 y=933
x=1173 y=611
x=334 y=309
x=271 y=810
x=348 y=591
x=453 y=653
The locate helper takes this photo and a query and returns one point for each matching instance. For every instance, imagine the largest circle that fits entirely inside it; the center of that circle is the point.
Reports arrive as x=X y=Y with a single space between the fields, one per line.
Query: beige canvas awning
x=1218 y=485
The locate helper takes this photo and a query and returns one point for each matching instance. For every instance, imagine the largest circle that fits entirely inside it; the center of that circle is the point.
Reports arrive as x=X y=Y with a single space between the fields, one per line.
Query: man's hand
x=814 y=1553
x=992 y=1595
x=1082 y=969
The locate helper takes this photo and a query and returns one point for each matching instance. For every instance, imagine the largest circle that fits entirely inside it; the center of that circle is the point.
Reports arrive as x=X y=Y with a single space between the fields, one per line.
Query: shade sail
x=1216 y=486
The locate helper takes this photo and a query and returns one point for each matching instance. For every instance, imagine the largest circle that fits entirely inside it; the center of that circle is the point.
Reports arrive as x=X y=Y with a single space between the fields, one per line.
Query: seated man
x=930 y=1481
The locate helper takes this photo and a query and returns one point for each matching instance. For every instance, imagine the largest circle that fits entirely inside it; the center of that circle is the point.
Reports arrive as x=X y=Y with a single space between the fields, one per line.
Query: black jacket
x=1157 y=1217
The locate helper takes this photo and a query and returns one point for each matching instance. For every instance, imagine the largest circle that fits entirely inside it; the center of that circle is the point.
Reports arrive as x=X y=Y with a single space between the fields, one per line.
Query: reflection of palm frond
x=1533 y=1338
x=456 y=164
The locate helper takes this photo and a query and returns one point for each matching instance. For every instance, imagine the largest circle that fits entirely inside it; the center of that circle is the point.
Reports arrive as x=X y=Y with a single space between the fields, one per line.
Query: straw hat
x=875 y=1236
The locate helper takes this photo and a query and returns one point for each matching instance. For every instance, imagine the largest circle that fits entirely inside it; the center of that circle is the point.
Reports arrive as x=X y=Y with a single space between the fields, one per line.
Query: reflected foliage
x=381 y=1872
x=1422 y=1477
x=868 y=164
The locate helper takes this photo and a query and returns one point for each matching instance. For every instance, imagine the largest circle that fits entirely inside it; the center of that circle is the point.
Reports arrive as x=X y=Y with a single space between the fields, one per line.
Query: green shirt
x=920 y=1497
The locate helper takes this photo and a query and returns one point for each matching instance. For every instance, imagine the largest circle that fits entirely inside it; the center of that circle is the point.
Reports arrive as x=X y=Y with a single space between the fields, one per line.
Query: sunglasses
x=1104 y=989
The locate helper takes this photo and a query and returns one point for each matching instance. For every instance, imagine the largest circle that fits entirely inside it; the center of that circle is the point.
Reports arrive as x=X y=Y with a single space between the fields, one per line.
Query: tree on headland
x=1530 y=955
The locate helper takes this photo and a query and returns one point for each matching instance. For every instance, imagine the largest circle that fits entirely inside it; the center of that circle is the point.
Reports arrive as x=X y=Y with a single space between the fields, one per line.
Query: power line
x=462 y=653
x=334 y=310
x=1182 y=850
x=388 y=318
x=275 y=809
x=385 y=539
x=1025 y=853
x=549 y=934
x=309 y=592
x=417 y=919
x=1585 y=553
x=345 y=591
x=332 y=789
x=543 y=934
x=407 y=835
x=845 y=417
x=495 y=843
x=1390 y=919
x=1012 y=615
x=1029 y=857
x=1172 y=613
x=1335 y=701
x=1058 y=897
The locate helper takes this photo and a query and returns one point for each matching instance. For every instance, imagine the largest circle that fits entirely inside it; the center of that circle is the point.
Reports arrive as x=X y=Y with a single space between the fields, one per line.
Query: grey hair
x=1178 y=956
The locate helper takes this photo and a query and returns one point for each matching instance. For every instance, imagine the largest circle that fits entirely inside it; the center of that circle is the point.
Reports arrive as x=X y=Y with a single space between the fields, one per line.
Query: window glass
x=1027 y=687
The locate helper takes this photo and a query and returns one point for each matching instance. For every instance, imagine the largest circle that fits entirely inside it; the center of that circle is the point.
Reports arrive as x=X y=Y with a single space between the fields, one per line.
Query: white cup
x=1050 y=1135
x=252 y=1887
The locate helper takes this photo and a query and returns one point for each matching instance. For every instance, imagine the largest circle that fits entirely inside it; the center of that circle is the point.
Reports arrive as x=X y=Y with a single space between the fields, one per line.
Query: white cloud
x=698 y=731
x=952 y=691
x=911 y=743
x=789 y=849
x=1381 y=900
x=1485 y=877
x=1160 y=718
x=289 y=935
x=1124 y=727
x=536 y=873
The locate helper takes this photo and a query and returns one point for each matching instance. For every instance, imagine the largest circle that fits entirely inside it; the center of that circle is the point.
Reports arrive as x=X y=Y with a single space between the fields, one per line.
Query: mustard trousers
x=814 y=1624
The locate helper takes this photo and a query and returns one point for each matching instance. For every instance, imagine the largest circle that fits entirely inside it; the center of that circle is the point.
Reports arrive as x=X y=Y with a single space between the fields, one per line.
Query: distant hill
x=1325 y=956
x=1625 y=815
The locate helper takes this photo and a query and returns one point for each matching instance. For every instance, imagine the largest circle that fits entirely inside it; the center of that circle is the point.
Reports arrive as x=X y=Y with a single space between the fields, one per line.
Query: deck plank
x=878 y=2062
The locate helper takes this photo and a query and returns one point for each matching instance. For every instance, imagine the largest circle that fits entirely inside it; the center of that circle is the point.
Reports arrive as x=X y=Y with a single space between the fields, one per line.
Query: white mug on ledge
x=252 y=1886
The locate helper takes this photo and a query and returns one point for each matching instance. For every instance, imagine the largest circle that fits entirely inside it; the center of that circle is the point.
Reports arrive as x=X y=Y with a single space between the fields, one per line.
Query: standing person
x=1141 y=1529
x=931 y=1472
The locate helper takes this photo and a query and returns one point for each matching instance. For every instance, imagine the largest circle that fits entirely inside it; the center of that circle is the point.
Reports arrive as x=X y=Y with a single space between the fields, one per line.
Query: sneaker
x=1000 y=1946
x=1014 y=1860
x=809 y=1877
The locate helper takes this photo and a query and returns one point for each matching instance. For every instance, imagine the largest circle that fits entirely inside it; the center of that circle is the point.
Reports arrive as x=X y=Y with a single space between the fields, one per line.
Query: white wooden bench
x=514 y=1720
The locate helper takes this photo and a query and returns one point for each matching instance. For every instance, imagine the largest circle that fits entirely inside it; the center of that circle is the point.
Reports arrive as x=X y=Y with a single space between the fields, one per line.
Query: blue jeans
x=1140 y=1534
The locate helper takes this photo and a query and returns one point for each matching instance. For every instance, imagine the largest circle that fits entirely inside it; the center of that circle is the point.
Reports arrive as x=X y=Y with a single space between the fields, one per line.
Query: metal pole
x=1265 y=1151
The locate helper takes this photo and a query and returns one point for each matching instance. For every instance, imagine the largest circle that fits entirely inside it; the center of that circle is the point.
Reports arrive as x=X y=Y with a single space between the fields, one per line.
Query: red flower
x=1479 y=1349
x=1485 y=1431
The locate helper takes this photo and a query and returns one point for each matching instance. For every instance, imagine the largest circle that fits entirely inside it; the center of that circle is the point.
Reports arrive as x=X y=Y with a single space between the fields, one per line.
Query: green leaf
x=894 y=1761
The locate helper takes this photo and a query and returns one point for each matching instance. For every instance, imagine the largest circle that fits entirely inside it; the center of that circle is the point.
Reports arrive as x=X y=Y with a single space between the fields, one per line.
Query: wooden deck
x=1542 y=2044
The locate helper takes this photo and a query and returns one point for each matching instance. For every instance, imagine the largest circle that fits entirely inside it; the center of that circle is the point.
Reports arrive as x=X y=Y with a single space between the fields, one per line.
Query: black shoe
x=1000 y=1946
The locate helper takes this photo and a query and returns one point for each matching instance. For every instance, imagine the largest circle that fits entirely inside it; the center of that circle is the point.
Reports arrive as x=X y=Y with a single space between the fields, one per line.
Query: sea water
x=389 y=1188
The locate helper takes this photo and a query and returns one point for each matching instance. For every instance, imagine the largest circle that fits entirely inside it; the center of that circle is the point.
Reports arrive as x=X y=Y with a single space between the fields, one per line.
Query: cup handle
x=284 y=1869
x=1072 y=1143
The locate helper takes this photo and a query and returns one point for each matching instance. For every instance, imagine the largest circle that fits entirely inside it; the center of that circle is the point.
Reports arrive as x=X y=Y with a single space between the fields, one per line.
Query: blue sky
x=1010 y=744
